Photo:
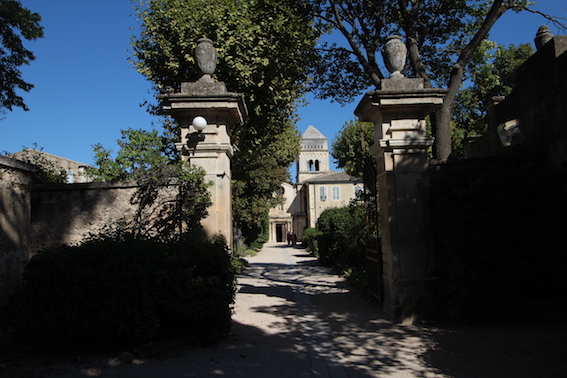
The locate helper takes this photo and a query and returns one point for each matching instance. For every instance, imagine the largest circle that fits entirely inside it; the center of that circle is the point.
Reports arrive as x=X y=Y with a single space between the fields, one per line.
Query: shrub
x=342 y=236
x=309 y=239
x=125 y=291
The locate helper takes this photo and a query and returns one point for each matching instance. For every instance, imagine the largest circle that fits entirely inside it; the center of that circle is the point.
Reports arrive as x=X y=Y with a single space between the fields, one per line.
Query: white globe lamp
x=199 y=123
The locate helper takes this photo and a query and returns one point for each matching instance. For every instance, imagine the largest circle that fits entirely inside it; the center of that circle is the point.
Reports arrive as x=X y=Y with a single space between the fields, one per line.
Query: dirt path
x=294 y=318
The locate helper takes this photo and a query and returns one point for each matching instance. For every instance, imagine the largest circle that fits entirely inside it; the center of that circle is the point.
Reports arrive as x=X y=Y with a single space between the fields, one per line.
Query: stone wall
x=68 y=213
x=493 y=212
x=15 y=187
x=38 y=216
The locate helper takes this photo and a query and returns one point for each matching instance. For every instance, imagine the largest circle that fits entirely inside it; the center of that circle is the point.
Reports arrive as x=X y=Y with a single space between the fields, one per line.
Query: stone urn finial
x=205 y=55
x=395 y=54
x=543 y=36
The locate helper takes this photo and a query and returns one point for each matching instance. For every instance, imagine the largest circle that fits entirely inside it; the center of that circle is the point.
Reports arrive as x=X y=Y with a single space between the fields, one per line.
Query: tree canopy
x=265 y=48
x=142 y=157
x=16 y=23
x=351 y=147
x=492 y=73
x=441 y=36
x=140 y=153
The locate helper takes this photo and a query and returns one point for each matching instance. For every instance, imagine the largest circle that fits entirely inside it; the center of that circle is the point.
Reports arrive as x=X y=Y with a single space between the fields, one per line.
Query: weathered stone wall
x=68 y=213
x=15 y=184
x=492 y=213
x=38 y=216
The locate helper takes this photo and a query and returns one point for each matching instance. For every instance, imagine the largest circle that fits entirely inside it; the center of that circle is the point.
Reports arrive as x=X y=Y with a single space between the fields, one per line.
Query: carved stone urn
x=543 y=36
x=205 y=55
x=394 y=54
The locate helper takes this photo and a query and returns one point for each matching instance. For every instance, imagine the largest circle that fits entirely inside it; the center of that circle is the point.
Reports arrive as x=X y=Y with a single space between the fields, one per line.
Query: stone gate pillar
x=398 y=110
x=208 y=145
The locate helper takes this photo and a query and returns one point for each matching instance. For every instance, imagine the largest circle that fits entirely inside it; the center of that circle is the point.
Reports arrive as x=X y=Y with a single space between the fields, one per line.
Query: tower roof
x=312 y=133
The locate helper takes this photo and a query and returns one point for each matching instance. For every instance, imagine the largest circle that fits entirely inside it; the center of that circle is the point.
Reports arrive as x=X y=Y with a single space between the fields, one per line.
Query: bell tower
x=313 y=156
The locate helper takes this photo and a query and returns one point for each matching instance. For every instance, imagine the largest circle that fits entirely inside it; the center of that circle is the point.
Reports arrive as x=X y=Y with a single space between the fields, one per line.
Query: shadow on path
x=342 y=333
x=294 y=318
x=366 y=343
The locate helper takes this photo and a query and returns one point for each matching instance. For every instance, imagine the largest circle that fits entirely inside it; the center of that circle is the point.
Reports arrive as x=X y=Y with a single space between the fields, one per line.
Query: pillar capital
x=400 y=96
x=218 y=108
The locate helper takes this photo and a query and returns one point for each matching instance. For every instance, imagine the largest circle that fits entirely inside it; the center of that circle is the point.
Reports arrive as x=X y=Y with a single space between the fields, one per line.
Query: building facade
x=74 y=170
x=315 y=190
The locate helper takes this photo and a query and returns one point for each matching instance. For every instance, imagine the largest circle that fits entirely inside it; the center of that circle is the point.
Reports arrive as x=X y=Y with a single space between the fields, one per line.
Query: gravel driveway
x=294 y=318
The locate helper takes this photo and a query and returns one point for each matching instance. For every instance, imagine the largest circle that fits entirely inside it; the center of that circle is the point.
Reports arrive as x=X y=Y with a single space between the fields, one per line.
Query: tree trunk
x=442 y=130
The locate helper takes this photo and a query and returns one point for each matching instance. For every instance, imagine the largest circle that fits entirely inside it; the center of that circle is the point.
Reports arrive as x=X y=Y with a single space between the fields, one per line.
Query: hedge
x=122 y=290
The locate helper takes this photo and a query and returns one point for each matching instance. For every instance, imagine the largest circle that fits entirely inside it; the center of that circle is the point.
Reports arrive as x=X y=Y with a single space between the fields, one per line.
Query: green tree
x=143 y=157
x=139 y=154
x=16 y=23
x=351 y=147
x=351 y=150
x=493 y=73
x=265 y=48
x=441 y=37
x=170 y=218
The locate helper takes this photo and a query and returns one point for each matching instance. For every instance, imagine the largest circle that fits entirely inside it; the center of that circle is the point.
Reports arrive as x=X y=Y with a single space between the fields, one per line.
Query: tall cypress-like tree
x=265 y=49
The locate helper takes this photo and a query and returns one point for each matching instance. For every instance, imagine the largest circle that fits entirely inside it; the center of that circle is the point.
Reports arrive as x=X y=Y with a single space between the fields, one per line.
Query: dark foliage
x=498 y=230
x=342 y=237
x=124 y=291
x=255 y=235
x=16 y=23
x=309 y=240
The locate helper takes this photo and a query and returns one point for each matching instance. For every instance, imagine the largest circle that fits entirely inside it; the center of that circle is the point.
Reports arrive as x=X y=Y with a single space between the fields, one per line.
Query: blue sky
x=86 y=91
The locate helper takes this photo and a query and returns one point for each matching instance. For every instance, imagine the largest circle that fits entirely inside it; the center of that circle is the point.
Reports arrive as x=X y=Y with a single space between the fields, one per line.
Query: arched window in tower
x=317 y=165
x=310 y=165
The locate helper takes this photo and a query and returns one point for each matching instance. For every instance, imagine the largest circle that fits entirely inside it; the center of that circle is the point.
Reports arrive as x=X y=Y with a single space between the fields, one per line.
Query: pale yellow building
x=327 y=190
x=315 y=190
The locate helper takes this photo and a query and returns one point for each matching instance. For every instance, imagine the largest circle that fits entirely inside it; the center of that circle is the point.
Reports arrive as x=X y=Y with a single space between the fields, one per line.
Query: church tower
x=313 y=156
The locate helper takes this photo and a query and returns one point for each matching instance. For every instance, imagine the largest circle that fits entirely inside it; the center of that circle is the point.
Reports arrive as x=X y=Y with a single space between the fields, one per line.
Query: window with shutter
x=323 y=193
x=336 y=193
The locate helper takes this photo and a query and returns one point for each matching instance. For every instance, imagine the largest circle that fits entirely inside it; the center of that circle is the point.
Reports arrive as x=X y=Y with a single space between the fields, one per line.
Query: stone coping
x=90 y=186
x=16 y=164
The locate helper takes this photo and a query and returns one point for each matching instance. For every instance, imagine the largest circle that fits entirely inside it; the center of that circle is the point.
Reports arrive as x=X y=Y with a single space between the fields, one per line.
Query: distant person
x=288 y=238
x=293 y=238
